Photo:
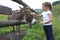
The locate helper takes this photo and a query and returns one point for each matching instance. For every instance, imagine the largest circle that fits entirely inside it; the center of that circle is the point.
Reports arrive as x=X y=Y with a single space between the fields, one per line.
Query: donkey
x=19 y=15
x=16 y=15
x=28 y=16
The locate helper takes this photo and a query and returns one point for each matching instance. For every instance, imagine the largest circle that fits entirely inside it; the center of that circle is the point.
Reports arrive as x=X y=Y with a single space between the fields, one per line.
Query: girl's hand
x=33 y=14
x=42 y=22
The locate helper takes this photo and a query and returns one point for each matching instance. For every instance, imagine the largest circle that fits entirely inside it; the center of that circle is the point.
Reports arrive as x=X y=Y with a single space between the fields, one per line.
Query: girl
x=47 y=20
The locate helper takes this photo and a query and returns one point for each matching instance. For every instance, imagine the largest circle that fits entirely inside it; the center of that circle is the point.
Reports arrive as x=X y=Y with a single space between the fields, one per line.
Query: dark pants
x=48 y=32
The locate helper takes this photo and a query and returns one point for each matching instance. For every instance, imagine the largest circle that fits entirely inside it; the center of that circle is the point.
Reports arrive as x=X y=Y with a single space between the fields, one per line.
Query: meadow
x=37 y=31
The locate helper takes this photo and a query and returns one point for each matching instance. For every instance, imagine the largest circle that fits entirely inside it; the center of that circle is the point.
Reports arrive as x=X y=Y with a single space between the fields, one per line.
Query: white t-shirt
x=45 y=15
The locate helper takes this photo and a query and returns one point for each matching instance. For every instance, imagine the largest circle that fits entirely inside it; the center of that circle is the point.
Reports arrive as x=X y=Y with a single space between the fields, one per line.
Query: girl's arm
x=39 y=15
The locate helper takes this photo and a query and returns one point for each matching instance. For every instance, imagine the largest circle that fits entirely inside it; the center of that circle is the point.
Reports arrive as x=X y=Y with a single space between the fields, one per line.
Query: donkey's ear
x=20 y=7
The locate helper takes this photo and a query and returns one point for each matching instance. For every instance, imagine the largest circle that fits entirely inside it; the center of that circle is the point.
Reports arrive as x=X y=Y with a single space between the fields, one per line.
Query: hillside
x=38 y=10
x=56 y=2
x=56 y=10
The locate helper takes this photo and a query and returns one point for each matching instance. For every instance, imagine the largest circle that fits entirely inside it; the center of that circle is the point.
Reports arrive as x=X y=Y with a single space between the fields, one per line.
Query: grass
x=37 y=32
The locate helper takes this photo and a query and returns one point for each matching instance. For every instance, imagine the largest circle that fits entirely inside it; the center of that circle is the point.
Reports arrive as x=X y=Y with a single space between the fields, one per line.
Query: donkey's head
x=28 y=15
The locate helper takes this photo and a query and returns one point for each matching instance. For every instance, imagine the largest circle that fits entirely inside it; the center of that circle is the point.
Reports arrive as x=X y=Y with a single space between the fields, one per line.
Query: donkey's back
x=16 y=15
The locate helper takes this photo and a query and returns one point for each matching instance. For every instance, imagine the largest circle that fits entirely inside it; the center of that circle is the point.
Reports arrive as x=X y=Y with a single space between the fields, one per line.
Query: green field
x=37 y=32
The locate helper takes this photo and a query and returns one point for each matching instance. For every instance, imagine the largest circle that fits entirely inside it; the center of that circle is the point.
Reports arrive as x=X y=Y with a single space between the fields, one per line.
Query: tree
x=56 y=2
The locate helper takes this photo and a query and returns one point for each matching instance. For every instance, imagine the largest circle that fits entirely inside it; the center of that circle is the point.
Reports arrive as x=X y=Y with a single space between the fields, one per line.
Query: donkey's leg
x=13 y=34
x=18 y=28
x=30 y=25
x=20 y=38
x=18 y=31
x=13 y=29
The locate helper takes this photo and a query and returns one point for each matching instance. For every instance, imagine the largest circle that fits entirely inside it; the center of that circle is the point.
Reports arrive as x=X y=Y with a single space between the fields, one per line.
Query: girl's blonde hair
x=48 y=4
